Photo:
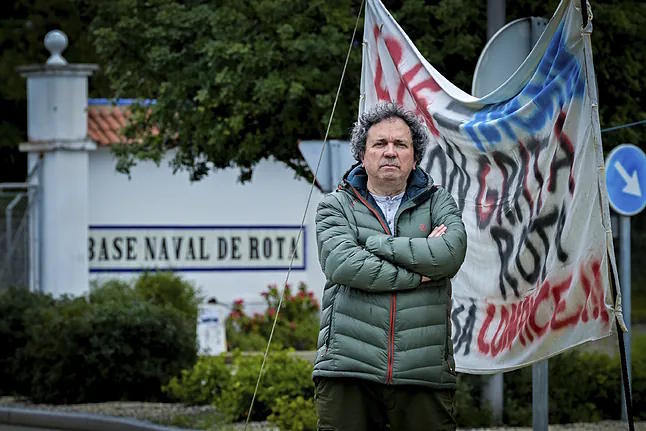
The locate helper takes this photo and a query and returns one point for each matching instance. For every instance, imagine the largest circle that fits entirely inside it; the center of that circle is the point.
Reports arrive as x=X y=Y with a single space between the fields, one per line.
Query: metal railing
x=16 y=234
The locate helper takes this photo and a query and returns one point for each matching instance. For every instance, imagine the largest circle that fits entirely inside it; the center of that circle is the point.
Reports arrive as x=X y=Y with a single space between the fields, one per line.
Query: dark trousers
x=345 y=404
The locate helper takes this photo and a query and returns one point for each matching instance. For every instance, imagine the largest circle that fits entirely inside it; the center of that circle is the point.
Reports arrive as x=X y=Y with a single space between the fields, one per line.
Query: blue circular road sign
x=626 y=179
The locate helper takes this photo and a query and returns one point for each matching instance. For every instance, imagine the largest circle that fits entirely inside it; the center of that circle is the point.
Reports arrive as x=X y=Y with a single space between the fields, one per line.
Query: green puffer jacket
x=377 y=321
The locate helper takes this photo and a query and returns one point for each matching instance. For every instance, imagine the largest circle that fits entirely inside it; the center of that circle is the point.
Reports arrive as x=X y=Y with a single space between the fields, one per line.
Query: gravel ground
x=162 y=413
x=597 y=426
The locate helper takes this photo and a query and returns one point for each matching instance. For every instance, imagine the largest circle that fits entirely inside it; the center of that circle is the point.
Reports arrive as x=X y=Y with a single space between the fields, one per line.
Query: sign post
x=626 y=184
x=336 y=159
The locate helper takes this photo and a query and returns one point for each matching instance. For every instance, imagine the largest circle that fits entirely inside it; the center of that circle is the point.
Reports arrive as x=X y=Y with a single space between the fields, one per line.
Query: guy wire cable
x=298 y=238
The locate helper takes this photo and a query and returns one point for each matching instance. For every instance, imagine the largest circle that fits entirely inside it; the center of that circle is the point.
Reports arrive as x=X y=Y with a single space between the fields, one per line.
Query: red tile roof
x=105 y=122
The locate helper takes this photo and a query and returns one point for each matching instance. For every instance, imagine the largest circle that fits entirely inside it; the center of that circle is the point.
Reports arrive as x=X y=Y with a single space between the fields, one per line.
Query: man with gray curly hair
x=389 y=241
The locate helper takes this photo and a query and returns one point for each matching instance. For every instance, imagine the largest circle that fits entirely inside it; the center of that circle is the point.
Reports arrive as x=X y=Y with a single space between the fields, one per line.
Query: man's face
x=389 y=157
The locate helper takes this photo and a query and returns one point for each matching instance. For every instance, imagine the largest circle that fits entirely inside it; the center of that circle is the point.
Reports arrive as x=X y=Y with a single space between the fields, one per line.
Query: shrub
x=168 y=291
x=583 y=387
x=469 y=413
x=639 y=388
x=231 y=387
x=119 y=343
x=83 y=352
x=298 y=414
x=297 y=326
x=283 y=375
x=517 y=402
x=586 y=387
x=201 y=384
x=17 y=309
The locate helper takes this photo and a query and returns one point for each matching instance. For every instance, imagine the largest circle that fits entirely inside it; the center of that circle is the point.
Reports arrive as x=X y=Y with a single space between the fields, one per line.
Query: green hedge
x=18 y=310
x=584 y=387
x=119 y=343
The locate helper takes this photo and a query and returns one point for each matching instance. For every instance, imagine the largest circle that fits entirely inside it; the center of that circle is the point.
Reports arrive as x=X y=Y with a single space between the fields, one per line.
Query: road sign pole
x=624 y=271
x=626 y=185
x=540 y=398
x=492 y=396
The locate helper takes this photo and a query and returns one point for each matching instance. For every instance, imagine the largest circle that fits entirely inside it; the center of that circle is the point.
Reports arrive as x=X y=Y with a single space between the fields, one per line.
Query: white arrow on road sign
x=632 y=181
x=625 y=190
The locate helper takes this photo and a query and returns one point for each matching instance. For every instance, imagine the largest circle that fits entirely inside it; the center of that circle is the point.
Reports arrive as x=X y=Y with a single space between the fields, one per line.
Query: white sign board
x=211 y=333
x=114 y=248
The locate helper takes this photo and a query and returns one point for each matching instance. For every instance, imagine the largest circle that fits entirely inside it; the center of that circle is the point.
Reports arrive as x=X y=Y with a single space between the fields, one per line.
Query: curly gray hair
x=384 y=111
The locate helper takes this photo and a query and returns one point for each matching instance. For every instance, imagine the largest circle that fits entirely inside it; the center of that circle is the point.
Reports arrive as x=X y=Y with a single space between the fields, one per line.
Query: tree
x=234 y=81
x=618 y=43
x=239 y=81
x=23 y=26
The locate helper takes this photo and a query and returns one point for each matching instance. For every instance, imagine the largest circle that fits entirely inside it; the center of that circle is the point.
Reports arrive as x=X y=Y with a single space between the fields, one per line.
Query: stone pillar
x=58 y=149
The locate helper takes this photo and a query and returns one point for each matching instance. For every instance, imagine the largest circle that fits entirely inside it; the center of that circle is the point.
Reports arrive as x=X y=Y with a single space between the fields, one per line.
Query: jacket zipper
x=393 y=296
x=391 y=338
x=374 y=211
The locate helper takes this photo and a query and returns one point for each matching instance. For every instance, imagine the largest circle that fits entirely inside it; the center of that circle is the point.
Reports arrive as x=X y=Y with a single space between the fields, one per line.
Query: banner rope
x=298 y=238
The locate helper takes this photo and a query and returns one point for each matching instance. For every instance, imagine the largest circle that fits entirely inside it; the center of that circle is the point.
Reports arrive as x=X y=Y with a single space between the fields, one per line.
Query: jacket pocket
x=328 y=338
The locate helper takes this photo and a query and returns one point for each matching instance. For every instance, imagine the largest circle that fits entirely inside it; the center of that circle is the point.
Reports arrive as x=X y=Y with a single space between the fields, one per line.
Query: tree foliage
x=234 y=81
x=23 y=25
x=618 y=43
x=240 y=81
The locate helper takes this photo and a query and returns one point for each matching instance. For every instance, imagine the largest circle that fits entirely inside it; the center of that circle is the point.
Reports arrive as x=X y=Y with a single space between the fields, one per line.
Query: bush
x=231 y=387
x=639 y=389
x=283 y=375
x=120 y=343
x=297 y=414
x=469 y=413
x=297 y=326
x=583 y=387
x=91 y=353
x=162 y=289
x=168 y=291
x=17 y=310
x=201 y=384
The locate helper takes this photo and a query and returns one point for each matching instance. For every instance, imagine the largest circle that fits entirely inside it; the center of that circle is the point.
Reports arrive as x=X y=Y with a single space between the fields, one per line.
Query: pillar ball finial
x=56 y=42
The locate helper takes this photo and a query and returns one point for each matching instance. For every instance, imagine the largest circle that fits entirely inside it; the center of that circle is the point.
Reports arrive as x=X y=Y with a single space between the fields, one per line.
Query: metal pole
x=492 y=396
x=492 y=389
x=495 y=16
x=7 y=230
x=540 y=395
x=624 y=271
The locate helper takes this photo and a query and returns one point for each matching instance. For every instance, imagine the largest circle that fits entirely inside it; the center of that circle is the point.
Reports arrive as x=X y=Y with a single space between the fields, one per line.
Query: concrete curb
x=67 y=421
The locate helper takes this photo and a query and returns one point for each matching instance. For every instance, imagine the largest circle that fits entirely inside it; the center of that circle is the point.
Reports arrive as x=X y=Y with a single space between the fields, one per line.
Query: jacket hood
x=418 y=180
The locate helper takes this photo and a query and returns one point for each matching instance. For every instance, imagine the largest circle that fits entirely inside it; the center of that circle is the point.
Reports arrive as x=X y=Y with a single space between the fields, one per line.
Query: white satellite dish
x=505 y=52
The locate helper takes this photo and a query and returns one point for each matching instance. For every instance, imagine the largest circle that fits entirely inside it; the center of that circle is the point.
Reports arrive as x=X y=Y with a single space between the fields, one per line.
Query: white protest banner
x=524 y=164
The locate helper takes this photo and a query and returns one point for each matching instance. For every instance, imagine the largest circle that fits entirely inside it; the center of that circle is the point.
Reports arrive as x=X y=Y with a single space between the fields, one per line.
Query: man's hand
x=437 y=232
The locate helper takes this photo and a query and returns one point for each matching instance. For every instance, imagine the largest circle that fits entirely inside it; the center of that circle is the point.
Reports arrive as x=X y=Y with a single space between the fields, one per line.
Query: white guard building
x=89 y=222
